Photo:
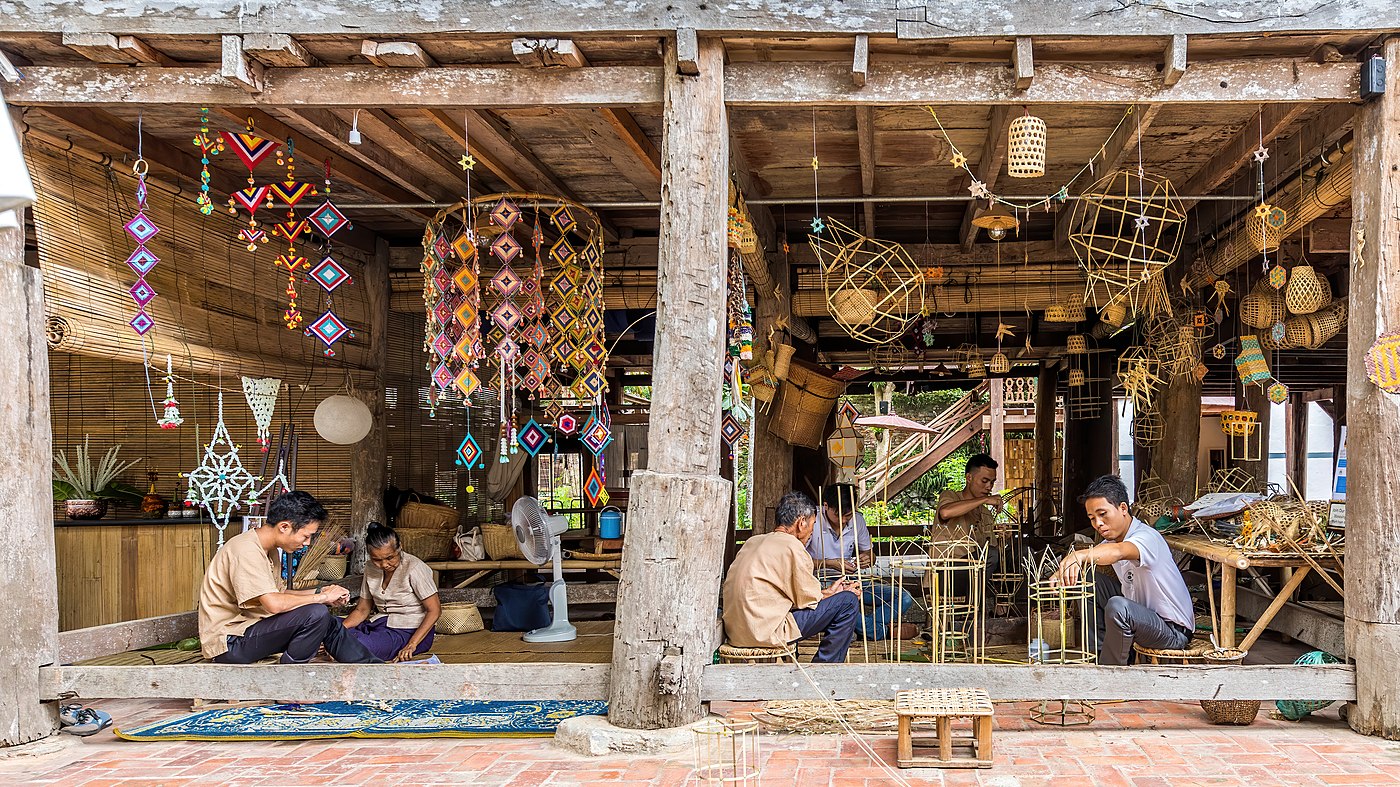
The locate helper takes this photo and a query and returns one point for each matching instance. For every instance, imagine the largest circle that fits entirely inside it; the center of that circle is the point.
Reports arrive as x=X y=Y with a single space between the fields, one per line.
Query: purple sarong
x=385 y=642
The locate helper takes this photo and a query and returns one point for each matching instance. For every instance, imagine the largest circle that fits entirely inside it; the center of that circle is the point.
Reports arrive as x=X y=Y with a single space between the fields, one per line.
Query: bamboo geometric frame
x=873 y=288
x=1126 y=227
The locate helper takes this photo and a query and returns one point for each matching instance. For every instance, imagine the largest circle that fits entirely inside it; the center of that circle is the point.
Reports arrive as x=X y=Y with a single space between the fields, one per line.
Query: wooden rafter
x=115 y=50
x=381 y=125
x=1271 y=121
x=988 y=168
x=865 y=144
x=239 y=68
x=277 y=50
x=1114 y=151
x=1174 y=60
x=394 y=166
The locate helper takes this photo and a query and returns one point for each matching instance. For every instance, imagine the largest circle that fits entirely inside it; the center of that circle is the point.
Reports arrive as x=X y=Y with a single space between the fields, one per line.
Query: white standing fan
x=538 y=535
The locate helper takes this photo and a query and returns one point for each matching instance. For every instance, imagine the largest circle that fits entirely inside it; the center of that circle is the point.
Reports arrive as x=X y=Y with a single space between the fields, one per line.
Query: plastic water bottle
x=1038 y=648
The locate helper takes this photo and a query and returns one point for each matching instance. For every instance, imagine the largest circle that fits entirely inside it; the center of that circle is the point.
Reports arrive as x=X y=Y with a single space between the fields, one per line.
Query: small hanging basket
x=1239 y=423
x=1262 y=307
x=854 y=306
x=1314 y=330
x=1307 y=291
x=1069 y=311
x=782 y=360
x=1265 y=227
x=1000 y=364
x=1114 y=313
x=1025 y=155
x=1076 y=344
x=1076 y=378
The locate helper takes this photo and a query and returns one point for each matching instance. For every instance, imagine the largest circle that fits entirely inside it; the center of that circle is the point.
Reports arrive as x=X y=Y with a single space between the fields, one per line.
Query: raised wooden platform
x=486 y=567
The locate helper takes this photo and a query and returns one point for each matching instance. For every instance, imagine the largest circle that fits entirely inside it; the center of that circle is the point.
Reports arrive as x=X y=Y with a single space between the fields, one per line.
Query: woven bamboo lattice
x=872 y=287
x=1307 y=291
x=1250 y=363
x=1076 y=344
x=1262 y=307
x=1082 y=400
x=1284 y=526
x=1265 y=227
x=1239 y=423
x=1314 y=330
x=1025 y=153
x=1071 y=310
x=1139 y=372
x=1151 y=488
x=1148 y=428
x=1124 y=228
x=1383 y=362
x=999 y=364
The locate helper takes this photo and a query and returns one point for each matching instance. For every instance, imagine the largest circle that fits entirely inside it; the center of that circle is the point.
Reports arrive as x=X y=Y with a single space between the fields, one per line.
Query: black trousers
x=297 y=634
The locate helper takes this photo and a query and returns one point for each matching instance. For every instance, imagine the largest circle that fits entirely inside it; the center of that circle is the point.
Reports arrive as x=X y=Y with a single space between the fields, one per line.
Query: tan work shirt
x=402 y=598
x=771 y=576
x=240 y=572
x=980 y=522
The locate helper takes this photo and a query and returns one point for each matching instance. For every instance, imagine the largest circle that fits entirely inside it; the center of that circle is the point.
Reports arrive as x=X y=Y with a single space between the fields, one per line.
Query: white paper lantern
x=16 y=189
x=343 y=420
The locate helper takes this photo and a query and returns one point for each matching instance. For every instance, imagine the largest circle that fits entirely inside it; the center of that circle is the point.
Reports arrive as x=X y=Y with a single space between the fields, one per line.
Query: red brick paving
x=1138 y=744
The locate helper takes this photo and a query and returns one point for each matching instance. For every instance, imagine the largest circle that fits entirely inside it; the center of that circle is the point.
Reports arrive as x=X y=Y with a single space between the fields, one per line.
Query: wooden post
x=368 y=472
x=1045 y=492
x=1174 y=459
x=1296 y=450
x=28 y=578
x=770 y=457
x=1373 y=416
x=671 y=562
x=996 y=419
x=1254 y=398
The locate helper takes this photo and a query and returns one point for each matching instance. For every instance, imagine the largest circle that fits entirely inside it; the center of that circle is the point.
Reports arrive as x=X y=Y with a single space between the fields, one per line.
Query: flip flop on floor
x=88 y=722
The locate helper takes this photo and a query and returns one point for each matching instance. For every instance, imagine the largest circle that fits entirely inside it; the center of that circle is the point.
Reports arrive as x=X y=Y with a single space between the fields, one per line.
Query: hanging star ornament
x=817 y=225
x=1004 y=330
x=1261 y=154
x=468 y=161
x=1141 y=223
x=958 y=160
x=979 y=189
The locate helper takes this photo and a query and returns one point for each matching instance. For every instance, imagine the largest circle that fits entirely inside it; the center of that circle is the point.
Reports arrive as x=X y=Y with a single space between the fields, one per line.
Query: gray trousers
x=1123 y=622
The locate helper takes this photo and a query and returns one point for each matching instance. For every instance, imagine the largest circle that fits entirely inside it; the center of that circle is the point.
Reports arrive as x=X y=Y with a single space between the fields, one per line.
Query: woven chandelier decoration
x=873 y=288
x=1125 y=228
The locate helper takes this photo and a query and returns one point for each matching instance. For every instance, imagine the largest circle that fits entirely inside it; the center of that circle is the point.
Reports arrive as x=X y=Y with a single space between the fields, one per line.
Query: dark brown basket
x=805 y=401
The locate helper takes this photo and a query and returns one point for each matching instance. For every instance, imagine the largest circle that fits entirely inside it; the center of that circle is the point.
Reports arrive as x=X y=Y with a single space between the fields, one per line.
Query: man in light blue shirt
x=840 y=546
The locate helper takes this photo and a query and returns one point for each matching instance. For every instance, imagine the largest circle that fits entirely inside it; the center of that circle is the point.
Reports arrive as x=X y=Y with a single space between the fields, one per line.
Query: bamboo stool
x=733 y=654
x=1193 y=653
x=944 y=705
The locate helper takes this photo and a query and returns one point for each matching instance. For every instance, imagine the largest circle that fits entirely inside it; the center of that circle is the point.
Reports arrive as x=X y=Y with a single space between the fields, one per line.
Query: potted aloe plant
x=86 y=490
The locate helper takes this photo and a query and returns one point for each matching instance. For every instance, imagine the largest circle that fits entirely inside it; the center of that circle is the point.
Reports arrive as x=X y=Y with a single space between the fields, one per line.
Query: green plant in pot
x=86 y=490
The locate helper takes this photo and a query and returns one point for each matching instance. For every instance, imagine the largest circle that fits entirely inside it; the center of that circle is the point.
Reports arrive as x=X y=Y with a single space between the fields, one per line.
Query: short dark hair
x=296 y=507
x=380 y=535
x=840 y=497
x=793 y=506
x=980 y=460
x=1109 y=487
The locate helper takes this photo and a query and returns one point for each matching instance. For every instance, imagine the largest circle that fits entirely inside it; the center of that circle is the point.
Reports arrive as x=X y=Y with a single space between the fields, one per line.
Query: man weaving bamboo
x=772 y=597
x=840 y=548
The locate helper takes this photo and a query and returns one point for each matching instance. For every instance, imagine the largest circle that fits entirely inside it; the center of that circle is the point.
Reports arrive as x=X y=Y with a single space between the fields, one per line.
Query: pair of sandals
x=78 y=720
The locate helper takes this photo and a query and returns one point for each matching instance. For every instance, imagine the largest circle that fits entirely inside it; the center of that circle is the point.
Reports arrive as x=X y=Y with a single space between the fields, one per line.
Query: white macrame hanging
x=220 y=484
x=261 y=393
x=171 y=419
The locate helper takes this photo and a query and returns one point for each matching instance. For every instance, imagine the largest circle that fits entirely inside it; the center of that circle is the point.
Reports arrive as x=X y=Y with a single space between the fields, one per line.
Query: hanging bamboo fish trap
x=1025 y=153
x=1000 y=364
x=1314 y=330
x=1262 y=307
x=1307 y=291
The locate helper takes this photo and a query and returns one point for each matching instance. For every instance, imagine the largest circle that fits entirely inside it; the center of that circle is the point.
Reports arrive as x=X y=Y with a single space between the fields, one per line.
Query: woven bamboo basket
x=1239 y=423
x=500 y=542
x=805 y=400
x=782 y=361
x=854 y=306
x=459 y=617
x=748 y=237
x=425 y=516
x=1237 y=712
x=1262 y=307
x=425 y=543
x=1076 y=377
x=1076 y=344
x=1265 y=227
x=1069 y=311
x=1307 y=291
x=1114 y=313
x=1025 y=154
x=1268 y=342
x=1000 y=364
x=332 y=568
x=1057 y=633
x=1314 y=330
x=762 y=385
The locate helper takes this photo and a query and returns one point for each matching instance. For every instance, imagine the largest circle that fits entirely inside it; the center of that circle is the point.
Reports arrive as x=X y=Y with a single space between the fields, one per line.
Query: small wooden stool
x=1193 y=653
x=944 y=705
x=732 y=654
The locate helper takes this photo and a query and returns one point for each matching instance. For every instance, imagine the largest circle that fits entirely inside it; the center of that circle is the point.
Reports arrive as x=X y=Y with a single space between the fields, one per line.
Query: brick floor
x=1138 y=744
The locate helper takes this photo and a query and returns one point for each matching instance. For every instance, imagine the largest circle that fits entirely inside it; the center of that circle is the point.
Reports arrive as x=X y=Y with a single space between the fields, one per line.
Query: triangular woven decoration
x=593 y=488
x=290 y=263
x=251 y=237
x=251 y=198
x=1383 y=362
x=328 y=218
x=532 y=437
x=250 y=148
x=291 y=230
x=291 y=192
x=1250 y=363
x=261 y=393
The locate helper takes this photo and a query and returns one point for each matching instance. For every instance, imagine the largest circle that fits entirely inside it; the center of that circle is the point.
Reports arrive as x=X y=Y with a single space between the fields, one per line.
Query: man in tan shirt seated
x=246 y=612
x=771 y=597
x=973 y=509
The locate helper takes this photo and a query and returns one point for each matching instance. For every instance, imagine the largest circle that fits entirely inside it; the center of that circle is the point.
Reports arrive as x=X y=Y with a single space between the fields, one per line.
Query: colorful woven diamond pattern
x=142 y=261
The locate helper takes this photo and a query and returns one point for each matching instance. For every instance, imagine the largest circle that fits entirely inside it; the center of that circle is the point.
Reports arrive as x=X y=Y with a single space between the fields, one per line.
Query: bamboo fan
x=1265 y=227
x=1025 y=154
x=1125 y=227
x=1383 y=362
x=873 y=289
x=1307 y=291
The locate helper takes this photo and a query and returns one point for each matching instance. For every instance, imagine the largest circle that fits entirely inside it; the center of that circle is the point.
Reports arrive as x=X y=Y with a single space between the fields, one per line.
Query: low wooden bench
x=485 y=567
x=944 y=705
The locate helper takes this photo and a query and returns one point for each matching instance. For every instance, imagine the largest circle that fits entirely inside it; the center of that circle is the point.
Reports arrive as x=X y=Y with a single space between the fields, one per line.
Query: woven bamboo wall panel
x=109 y=573
x=1019 y=467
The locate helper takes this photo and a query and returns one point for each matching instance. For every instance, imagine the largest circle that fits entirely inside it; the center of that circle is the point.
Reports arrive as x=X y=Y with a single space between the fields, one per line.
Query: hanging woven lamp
x=1265 y=227
x=1076 y=344
x=996 y=219
x=1025 y=154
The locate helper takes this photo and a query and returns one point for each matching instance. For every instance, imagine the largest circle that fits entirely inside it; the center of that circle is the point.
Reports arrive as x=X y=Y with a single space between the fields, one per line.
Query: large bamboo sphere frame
x=1115 y=253
x=873 y=287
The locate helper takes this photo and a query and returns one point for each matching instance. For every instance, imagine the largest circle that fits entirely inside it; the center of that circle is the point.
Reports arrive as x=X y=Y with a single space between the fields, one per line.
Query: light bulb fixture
x=354 y=136
x=996 y=233
x=996 y=220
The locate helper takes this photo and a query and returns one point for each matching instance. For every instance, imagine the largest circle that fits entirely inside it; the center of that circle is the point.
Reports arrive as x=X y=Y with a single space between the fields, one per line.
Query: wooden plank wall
x=1020 y=464
x=112 y=573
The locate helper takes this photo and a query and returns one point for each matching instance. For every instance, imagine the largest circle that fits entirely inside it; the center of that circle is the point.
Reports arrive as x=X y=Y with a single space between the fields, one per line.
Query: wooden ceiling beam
x=163 y=157
x=278 y=50
x=333 y=132
x=1174 y=60
x=1272 y=120
x=396 y=54
x=865 y=145
x=380 y=125
x=988 y=169
x=860 y=63
x=497 y=168
x=239 y=68
x=110 y=49
x=1110 y=157
x=547 y=52
x=1023 y=62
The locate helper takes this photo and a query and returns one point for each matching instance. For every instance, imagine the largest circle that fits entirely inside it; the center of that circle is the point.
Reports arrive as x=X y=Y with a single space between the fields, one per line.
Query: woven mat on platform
x=819 y=717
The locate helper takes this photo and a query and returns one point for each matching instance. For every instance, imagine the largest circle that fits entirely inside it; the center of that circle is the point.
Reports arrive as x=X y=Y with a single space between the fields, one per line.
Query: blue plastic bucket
x=610 y=523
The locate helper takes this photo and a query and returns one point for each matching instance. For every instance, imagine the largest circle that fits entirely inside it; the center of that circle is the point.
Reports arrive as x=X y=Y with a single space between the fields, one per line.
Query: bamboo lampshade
x=1124 y=228
x=1025 y=154
x=1307 y=291
x=1265 y=227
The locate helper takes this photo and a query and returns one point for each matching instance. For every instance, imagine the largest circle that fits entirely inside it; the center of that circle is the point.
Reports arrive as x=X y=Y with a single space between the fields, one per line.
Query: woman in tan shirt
x=400 y=587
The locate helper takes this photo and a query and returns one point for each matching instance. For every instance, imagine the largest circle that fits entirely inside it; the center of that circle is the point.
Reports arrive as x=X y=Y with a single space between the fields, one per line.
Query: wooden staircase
x=919 y=453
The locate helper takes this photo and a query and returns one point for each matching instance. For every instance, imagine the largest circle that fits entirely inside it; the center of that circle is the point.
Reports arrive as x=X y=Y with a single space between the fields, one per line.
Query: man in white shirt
x=1147 y=602
x=840 y=549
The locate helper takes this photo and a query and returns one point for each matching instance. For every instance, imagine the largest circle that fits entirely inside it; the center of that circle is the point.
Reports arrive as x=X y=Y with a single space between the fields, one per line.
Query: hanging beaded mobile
x=171 y=417
x=208 y=146
x=141 y=229
x=290 y=192
x=252 y=150
x=328 y=220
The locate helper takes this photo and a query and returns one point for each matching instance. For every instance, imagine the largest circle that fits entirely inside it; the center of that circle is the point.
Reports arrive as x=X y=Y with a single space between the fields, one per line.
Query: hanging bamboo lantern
x=996 y=219
x=873 y=289
x=1307 y=291
x=1070 y=311
x=1000 y=364
x=845 y=449
x=1114 y=313
x=1025 y=154
x=1265 y=227
x=1076 y=344
x=1076 y=377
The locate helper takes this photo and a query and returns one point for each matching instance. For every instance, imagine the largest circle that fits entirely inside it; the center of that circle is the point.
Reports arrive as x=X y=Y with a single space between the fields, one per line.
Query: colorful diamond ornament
x=469 y=453
x=532 y=437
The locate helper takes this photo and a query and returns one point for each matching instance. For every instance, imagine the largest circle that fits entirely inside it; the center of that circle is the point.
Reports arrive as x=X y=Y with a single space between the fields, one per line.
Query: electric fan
x=538 y=535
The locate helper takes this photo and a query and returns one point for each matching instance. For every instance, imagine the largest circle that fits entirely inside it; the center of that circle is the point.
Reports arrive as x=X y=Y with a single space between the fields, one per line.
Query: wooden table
x=1232 y=561
x=484 y=567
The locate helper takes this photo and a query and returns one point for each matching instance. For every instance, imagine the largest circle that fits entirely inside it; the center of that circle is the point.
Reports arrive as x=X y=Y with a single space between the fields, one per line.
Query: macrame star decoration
x=817 y=225
x=1261 y=154
x=1141 y=223
x=221 y=485
x=468 y=161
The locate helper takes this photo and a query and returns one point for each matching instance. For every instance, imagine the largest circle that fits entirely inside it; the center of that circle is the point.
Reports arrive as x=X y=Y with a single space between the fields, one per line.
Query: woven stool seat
x=733 y=654
x=1193 y=653
x=944 y=705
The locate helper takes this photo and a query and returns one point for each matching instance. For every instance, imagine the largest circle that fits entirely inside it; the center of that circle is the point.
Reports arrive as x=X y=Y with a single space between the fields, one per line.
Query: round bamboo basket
x=500 y=543
x=1076 y=344
x=1314 y=330
x=425 y=543
x=1000 y=364
x=1069 y=311
x=1307 y=291
x=332 y=567
x=1262 y=307
x=1239 y=423
x=1114 y=313
x=1025 y=154
x=854 y=306
x=1265 y=227
x=459 y=617
x=1076 y=377
x=805 y=399
x=1236 y=712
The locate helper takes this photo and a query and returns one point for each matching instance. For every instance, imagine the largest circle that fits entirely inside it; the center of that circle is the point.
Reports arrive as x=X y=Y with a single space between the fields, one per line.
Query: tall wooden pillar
x=28 y=580
x=770 y=457
x=1373 y=416
x=1296 y=447
x=1254 y=398
x=1090 y=451
x=1045 y=492
x=996 y=443
x=368 y=472
x=1174 y=459
x=669 y=591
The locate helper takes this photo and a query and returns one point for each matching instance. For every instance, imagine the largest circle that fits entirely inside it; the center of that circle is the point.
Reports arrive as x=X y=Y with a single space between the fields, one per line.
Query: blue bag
x=521 y=607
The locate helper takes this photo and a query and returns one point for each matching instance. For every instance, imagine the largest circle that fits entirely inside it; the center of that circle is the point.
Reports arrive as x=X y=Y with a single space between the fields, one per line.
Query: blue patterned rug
x=370 y=719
